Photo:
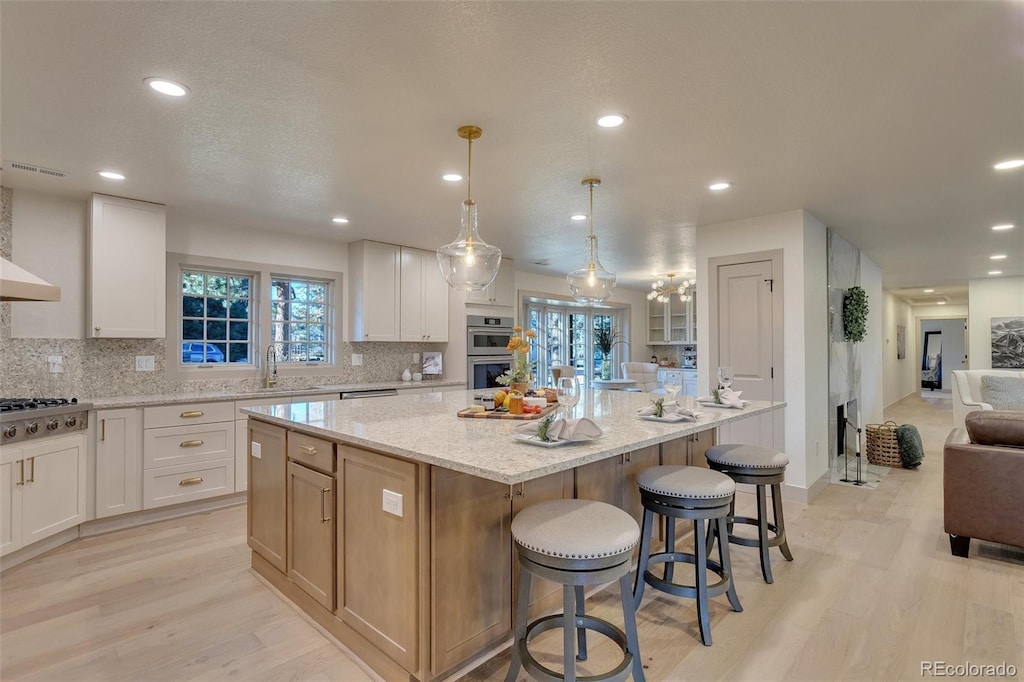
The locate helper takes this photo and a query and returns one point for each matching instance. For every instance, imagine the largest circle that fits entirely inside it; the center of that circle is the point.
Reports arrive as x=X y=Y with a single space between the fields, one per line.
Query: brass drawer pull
x=307 y=449
x=190 y=443
x=324 y=518
x=191 y=481
x=21 y=473
x=191 y=413
x=32 y=470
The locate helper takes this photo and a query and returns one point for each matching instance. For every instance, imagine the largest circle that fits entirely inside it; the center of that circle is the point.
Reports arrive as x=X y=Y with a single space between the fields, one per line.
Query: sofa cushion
x=990 y=427
x=1002 y=392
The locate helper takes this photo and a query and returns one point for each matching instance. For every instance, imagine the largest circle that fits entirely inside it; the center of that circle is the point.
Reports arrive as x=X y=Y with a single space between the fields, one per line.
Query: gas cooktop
x=12 y=404
x=29 y=418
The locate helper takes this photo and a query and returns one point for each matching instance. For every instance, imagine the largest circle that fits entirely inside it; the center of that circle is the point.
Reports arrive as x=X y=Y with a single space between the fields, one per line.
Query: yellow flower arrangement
x=520 y=346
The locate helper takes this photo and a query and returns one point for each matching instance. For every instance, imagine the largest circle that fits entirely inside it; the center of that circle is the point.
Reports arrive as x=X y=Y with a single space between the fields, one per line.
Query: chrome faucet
x=270 y=376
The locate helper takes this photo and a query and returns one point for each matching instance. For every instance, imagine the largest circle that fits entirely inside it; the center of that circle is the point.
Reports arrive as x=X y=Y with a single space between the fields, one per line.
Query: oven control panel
x=26 y=425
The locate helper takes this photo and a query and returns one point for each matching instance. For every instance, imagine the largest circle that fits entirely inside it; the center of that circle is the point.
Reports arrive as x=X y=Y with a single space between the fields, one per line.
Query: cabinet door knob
x=96 y=329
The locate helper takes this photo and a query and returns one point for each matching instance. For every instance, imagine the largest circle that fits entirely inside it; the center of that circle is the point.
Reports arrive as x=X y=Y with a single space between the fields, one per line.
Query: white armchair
x=967 y=391
x=645 y=374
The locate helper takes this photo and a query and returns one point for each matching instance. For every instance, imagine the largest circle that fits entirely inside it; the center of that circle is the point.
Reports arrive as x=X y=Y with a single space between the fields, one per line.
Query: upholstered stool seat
x=575 y=543
x=699 y=495
x=761 y=467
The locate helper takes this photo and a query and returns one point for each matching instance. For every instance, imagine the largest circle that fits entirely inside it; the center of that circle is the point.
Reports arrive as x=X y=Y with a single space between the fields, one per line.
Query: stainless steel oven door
x=487 y=340
x=483 y=371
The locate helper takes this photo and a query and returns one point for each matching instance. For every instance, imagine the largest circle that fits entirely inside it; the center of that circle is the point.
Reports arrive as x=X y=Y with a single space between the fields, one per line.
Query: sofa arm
x=981 y=490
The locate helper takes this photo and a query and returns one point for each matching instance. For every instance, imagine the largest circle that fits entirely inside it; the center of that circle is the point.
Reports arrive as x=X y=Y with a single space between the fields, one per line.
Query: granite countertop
x=425 y=428
x=120 y=401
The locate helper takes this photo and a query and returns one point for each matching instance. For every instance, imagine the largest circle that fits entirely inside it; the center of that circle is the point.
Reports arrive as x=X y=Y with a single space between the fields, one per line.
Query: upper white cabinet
x=374 y=287
x=502 y=290
x=673 y=321
x=424 y=299
x=126 y=286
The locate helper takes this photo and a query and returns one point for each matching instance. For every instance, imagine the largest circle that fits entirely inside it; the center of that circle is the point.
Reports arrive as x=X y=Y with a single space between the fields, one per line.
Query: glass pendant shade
x=662 y=293
x=591 y=284
x=469 y=263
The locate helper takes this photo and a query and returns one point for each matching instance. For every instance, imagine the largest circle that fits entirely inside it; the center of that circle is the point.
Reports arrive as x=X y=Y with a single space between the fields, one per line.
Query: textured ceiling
x=881 y=119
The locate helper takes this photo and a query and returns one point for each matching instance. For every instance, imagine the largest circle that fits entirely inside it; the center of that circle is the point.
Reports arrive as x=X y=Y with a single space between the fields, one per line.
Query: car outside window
x=216 y=318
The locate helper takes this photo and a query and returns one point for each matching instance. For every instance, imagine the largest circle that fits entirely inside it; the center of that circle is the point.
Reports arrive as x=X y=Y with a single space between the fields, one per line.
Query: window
x=566 y=338
x=216 y=318
x=299 y=320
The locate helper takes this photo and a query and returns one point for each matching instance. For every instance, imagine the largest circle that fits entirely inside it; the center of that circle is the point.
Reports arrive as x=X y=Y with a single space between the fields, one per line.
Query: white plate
x=726 y=407
x=533 y=440
x=667 y=418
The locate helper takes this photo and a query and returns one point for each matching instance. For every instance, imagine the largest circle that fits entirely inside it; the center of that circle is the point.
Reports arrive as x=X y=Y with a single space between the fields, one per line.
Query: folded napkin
x=727 y=396
x=669 y=409
x=564 y=429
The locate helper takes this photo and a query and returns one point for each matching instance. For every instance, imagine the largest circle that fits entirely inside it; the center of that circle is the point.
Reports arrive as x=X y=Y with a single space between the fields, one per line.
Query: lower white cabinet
x=690 y=382
x=118 y=462
x=44 y=490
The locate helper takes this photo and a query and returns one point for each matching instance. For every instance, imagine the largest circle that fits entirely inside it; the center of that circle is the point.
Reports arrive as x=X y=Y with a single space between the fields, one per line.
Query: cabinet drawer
x=183 y=415
x=174 y=484
x=187 y=444
x=313 y=452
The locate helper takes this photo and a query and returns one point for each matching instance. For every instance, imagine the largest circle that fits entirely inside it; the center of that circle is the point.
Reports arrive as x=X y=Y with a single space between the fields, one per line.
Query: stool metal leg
x=645 y=555
x=780 y=521
x=569 y=632
x=670 y=545
x=762 y=535
x=723 y=558
x=522 y=616
x=581 y=632
x=703 y=621
x=629 y=618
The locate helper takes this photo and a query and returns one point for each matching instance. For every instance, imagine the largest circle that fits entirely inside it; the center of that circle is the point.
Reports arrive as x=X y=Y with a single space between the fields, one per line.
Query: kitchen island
x=388 y=520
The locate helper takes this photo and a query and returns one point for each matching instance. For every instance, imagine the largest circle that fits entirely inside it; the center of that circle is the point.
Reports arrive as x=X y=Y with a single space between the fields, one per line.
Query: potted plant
x=606 y=338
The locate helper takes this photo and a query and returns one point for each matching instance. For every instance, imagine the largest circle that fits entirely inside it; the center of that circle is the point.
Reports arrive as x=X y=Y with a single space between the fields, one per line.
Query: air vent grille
x=29 y=168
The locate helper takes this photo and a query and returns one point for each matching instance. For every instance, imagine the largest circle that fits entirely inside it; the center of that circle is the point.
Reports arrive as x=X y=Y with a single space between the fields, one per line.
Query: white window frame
x=252 y=319
x=262 y=274
x=330 y=333
x=620 y=319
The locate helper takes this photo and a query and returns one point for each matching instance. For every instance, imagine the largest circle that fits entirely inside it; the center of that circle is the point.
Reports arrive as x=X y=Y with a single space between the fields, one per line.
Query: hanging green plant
x=855 y=314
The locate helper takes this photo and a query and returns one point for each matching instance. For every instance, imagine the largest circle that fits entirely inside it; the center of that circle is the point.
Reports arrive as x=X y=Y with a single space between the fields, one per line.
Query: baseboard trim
x=806 y=495
x=36 y=548
x=141 y=518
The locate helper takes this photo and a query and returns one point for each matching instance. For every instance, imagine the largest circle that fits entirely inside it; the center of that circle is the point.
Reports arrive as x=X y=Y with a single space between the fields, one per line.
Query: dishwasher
x=373 y=393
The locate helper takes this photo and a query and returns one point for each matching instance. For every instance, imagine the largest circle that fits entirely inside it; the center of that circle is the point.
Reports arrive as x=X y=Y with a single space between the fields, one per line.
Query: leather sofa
x=983 y=476
x=967 y=391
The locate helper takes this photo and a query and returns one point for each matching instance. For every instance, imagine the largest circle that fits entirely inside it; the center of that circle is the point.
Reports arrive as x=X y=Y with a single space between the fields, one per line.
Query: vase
x=521 y=386
x=606 y=368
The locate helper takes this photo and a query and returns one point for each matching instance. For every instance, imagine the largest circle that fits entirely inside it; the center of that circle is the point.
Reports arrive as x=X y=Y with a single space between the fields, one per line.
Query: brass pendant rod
x=469 y=173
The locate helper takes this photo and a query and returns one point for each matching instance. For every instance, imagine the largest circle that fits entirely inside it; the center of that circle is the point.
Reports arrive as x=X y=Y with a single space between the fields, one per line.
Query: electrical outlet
x=357 y=359
x=145 y=363
x=415 y=357
x=55 y=364
x=257 y=450
x=392 y=502
x=817 y=448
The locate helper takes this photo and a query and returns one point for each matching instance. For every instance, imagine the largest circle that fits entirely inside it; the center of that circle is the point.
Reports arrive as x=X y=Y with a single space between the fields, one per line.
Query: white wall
x=802 y=239
x=898 y=376
x=988 y=298
x=872 y=401
x=49 y=242
x=954 y=339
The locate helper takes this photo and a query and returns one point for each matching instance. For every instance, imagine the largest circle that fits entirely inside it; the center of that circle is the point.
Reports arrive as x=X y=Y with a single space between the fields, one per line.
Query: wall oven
x=487 y=335
x=483 y=370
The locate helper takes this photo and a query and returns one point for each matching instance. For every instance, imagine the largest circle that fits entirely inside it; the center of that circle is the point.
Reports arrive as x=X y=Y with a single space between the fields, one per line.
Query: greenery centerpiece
x=855 y=314
x=606 y=338
x=519 y=376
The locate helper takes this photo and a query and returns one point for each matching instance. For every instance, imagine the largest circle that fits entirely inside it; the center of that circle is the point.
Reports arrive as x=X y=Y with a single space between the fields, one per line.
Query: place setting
x=554 y=431
x=724 y=396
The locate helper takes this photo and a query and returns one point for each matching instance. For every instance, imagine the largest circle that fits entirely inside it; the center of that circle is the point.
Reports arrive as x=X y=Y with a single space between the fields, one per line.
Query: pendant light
x=592 y=283
x=469 y=263
x=663 y=293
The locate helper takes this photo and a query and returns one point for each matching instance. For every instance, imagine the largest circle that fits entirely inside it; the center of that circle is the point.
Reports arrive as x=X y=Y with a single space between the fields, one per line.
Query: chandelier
x=469 y=263
x=662 y=292
x=592 y=283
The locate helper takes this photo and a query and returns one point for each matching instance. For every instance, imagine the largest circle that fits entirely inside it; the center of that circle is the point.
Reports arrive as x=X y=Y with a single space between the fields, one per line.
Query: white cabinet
x=424 y=298
x=673 y=321
x=690 y=382
x=44 y=490
x=374 y=286
x=501 y=291
x=127 y=262
x=118 y=462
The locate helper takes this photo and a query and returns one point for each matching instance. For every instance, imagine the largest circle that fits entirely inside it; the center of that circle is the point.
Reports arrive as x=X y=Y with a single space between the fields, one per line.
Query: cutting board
x=544 y=411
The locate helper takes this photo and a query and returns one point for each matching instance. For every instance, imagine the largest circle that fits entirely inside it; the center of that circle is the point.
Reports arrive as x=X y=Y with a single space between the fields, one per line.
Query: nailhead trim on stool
x=761 y=467
x=695 y=483
x=575 y=543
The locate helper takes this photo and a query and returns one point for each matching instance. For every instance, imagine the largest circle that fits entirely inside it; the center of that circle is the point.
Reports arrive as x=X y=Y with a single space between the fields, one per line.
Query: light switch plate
x=145 y=363
x=257 y=450
x=357 y=359
x=55 y=364
x=392 y=502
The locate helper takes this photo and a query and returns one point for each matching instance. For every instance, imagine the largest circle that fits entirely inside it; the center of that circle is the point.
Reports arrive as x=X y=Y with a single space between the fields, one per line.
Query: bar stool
x=698 y=494
x=760 y=467
x=575 y=543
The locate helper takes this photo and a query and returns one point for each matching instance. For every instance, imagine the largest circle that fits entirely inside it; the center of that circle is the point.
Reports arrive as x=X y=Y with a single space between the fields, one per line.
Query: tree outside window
x=299 y=320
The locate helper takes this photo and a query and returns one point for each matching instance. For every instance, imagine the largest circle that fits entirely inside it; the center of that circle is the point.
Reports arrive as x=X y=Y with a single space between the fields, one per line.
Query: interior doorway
x=942 y=348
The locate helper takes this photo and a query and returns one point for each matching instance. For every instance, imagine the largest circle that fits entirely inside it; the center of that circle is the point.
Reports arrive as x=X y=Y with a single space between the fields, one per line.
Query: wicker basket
x=882 y=447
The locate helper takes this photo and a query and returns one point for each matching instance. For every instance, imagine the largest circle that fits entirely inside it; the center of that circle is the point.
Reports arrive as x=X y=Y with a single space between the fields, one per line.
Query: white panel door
x=127 y=265
x=745 y=343
x=53 y=498
x=118 y=462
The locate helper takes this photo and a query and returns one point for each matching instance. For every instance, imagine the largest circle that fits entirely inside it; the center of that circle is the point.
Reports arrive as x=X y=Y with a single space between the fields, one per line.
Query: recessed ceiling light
x=339 y=220
x=110 y=175
x=940 y=303
x=451 y=177
x=578 y=216
x=719 y=186
x=1006 y=226
x=1009 y=164
x=611 y=120
x=929 y=291
x=166 y=87
x=995 y=272
x=998 y=256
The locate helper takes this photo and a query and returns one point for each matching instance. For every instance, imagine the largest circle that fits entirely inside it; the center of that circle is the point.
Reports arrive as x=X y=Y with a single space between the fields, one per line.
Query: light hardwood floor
x=873 y=592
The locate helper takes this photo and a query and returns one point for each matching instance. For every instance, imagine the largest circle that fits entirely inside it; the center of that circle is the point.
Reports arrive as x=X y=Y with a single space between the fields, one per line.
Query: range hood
x=18 y=284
